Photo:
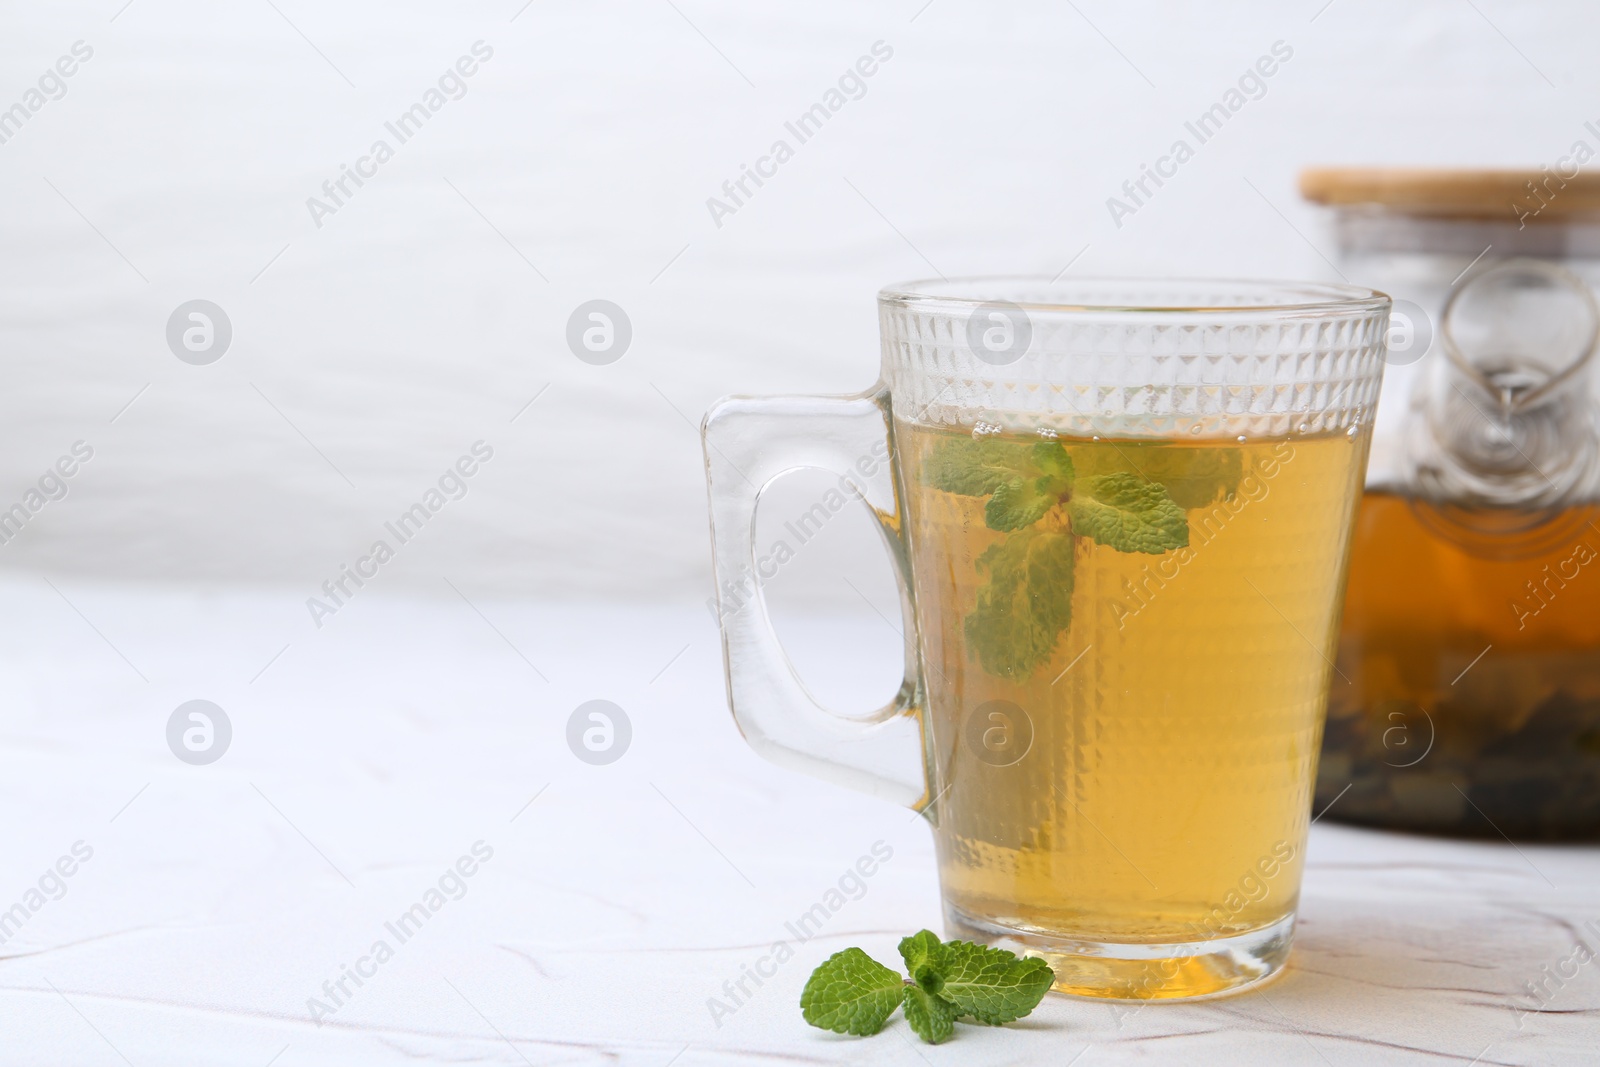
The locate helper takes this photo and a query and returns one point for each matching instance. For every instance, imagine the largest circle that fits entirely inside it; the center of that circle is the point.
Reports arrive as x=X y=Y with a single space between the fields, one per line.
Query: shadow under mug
x=1119 y=513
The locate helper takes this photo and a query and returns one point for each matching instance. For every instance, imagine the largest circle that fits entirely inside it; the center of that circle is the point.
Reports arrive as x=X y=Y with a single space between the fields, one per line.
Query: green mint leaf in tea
x=1124 y=512
x=968 y=466
x=1193 y=477
x=932 y=1017
x=924 y=956
x=1020 y=503
x=992 y=985
x=1026 y=480
x=851 y=993
x=1123 y=495
x=1054 y=463
x=1026 y=603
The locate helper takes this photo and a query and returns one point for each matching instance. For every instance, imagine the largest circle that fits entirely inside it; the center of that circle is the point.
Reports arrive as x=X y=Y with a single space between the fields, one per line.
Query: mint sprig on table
x=852 y=993
x=1044 y=504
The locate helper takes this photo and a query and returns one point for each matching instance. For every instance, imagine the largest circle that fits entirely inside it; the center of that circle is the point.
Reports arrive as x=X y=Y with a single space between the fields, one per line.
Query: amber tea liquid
x=1148 y=786
x=1472 y=699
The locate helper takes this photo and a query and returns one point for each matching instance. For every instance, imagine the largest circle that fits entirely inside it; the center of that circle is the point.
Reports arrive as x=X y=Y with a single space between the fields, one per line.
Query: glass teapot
x=1466 y=697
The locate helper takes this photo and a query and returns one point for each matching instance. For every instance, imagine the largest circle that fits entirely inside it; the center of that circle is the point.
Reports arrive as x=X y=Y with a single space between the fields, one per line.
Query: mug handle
x=750 y=442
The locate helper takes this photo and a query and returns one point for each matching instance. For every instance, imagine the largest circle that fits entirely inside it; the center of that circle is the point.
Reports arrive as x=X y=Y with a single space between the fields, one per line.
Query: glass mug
x=1119 y=513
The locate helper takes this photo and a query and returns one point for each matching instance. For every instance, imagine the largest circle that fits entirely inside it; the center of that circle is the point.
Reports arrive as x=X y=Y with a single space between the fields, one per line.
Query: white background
x=369 y=353
x=405 y=328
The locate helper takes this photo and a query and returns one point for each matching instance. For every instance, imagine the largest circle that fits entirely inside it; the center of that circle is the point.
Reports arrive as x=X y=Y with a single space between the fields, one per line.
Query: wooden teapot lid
x=1471 y=194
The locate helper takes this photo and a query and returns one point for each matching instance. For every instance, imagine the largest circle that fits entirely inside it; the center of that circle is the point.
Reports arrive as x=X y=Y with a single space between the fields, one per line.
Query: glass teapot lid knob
x=1520 y=331
x=1509 y=419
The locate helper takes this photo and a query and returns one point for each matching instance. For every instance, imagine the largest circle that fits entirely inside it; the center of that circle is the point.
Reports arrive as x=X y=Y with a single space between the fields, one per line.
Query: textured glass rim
x=1298 y=298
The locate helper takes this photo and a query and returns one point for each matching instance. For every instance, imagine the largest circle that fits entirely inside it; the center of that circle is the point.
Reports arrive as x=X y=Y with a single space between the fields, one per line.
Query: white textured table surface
x=373 y=754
